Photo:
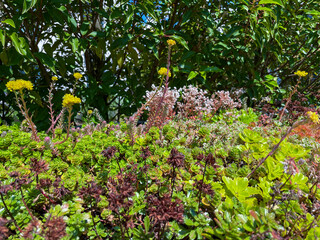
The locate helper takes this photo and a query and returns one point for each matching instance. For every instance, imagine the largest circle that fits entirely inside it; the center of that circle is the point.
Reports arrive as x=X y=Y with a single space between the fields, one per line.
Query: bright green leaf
x=10 y=22
x=192 y=75
x=278 y=2
x=2 y=37
x=147 y=223
x=180 y=40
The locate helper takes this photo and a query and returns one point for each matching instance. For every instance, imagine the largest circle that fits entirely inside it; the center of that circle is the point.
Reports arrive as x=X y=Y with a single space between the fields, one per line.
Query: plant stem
x=24 y=112
x=163 y=95
x=69 y=124
x=289 y=99
x=276 y=146
x=173 y=180
x=25 y=204
x=204 y=172
x=94 y=225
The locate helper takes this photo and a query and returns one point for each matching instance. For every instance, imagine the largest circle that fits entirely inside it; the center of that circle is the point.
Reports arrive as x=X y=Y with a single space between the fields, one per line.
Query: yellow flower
x=77 y=75
x=313 y=116
x=90 y=112
x=19 y=84
x=163 y=72
x=171 y=42
x=54 y=78
x=301 y=73
x=69 y=100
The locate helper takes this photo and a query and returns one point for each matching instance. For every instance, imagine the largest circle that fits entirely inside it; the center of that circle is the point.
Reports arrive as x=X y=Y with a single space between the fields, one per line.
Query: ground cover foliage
x=189 y=179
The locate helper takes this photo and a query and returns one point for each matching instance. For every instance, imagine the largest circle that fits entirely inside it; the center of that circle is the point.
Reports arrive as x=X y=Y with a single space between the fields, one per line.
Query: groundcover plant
x=218 y=174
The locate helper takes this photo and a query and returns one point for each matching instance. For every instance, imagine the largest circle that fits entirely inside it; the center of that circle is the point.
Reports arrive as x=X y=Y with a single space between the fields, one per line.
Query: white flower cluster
x=222 y=99
x=155 y=96
x=194 y=101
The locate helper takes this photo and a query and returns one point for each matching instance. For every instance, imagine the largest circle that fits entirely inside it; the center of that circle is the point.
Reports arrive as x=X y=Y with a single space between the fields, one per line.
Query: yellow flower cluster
x=69 y=100
x=90 y=112
x=19 y=85
x=301 y=73
x=171 y=42
x=54 y=78
x=313 y=116
x=77 y=75
x=163 y=72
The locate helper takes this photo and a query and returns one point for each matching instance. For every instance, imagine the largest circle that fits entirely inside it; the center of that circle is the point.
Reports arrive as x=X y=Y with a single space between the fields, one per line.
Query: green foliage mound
x=189 y=180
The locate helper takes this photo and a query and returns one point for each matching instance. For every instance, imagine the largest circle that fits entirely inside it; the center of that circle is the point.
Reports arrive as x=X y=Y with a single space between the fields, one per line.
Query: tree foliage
x=120 y=45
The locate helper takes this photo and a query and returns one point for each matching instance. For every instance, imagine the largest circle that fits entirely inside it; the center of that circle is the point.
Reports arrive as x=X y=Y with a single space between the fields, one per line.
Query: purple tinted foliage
x=176 y=158
x=162 y=209
x=109 y=152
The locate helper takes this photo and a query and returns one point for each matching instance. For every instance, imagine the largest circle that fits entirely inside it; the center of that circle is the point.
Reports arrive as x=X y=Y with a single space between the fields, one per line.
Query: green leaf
x=129 y=13
x=275 y=170
x=147 y=223
x=4 y=57
x=299 y=181
x=204 y=75
x=46 y=60
x=74 y=44
x=212 y=69
x=73 y=22
x=188 y=222
x=192 y=235
x=10 y=22
x=180 y=40
x=27 y=7
x=278 y=2
x=250 y=136
x=84 y=28
x=192 y=75
x=312 y=12
x=18 y=43
x=2 y=37
x=121 y=42
x=264 y=9
x=239 y=187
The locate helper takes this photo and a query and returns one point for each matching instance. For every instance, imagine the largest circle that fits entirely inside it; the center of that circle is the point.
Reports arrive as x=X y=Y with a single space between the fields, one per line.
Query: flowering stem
x=25 y=112
x=289 y=99
x=143 y=107
x=52 y=128
x=164 y=92
x=50 y=96
x=69 y=124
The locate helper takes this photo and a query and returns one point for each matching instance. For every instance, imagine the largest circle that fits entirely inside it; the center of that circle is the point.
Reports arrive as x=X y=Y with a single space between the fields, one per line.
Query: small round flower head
x=90 y=112
x=69 y=100
x=77 y=75
x=54 y=78
x=313 y=116
x=301 y=73
x=19 y=85
x=163 y=72
x=171 y=42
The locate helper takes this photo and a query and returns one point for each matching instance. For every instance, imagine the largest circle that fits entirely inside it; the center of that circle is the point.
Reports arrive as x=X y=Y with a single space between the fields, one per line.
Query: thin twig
x=6 y=207
x=276 y=146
